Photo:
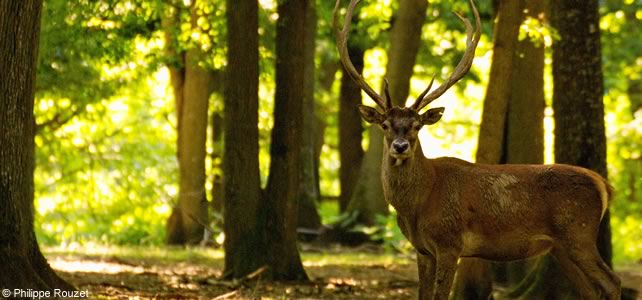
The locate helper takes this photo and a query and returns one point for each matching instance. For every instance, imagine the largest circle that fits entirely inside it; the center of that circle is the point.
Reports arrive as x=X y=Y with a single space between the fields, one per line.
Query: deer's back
x=494 y=205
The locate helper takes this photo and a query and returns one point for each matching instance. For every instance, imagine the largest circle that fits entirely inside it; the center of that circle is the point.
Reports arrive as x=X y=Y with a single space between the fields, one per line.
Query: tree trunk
x=492 y=130
x=579 y=124
x=189 y=216
x=283 y=183
x=262 y=232
x=577 y=95
x=367 y=198
x=405 y=39
x=24 y=266
x=244 y=218
x=512 y=126
x=350 y=129
x=350 y=126
x=309 y=193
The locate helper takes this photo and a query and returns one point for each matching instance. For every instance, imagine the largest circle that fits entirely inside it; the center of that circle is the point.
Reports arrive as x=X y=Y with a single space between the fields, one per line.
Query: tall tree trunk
x=493 y=126
x=309 y=193
x=24 y=266
x=283 y=184
x=512 y=125
x=579 y=122
x=577 y=95
x=405 y=39
x=189 y=216
x=367 y=198
x=350 y=126
x=243 y=211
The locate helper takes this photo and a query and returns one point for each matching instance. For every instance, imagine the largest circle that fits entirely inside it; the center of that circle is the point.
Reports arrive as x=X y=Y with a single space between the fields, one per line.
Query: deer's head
x=402 y=124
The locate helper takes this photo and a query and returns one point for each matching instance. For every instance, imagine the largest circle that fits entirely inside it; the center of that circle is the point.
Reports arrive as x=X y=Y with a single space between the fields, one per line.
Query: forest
x=225 y=149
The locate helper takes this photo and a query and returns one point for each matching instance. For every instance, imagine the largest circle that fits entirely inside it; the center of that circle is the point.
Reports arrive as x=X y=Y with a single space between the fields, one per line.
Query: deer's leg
x=426 y=269
x=589 y=260
x=575 y=274
x=446 y=265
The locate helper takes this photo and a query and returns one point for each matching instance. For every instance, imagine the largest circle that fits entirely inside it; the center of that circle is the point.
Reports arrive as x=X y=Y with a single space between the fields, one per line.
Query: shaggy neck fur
x=402 y=178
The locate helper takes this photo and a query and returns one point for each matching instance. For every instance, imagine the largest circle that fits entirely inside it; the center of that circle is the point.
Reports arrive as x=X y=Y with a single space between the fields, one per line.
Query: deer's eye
x=384 y=126
x=417 y=127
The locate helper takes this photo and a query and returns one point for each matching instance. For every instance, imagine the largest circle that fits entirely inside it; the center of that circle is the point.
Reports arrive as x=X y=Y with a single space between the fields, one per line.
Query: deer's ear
x=432 y=116
x=370 y=114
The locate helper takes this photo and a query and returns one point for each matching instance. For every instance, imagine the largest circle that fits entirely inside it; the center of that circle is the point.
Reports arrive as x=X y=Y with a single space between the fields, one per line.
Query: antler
x=342 y=46
x=462 y=68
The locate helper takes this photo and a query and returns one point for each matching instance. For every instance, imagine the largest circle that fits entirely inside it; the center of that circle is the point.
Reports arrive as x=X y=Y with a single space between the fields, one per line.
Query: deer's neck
x=408 y=183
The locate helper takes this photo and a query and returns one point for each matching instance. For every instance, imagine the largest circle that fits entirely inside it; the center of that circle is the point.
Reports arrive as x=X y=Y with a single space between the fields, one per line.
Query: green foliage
x=538 y=32
x=109 y=174
x=621 y=25
x=106 y=167
x=390 y=234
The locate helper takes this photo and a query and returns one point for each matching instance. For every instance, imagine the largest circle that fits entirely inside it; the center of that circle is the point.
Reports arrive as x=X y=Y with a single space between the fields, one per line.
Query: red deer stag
x=449 y=208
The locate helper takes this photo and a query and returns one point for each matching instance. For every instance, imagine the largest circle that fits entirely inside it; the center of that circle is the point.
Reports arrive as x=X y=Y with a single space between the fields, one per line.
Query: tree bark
x=243 y=211
x=577 y=95
x=190 y=215
x=24 y=266
x=350 y=128
x=405 y=39
x=492 y=130
x=284 y=181
x=309 y=193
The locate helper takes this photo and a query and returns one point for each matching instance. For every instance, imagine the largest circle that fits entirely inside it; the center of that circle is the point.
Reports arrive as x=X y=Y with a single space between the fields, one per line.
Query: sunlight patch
x=88 y=266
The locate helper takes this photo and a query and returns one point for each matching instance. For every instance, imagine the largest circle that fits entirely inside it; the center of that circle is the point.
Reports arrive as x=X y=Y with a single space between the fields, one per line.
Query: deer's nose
x=401 y=146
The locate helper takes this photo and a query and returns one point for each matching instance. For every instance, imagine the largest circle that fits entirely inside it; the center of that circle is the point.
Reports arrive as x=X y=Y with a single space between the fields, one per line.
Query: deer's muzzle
x=400 y=147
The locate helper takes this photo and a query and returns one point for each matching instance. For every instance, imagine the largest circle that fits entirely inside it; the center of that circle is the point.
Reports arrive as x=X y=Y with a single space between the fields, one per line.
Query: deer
x=449 y=208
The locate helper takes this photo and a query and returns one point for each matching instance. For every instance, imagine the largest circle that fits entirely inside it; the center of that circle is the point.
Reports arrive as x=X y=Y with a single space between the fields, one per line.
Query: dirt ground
x=115 y=276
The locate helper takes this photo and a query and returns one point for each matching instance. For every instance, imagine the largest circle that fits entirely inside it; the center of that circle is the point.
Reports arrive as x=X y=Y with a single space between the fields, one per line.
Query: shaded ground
x=160 y=273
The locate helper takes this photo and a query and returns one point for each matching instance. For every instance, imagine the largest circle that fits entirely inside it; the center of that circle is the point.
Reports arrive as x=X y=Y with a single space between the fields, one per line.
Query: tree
x=243 y=213
x=260 y=228
x=405 y=40
x=350 y=128
x=579 y=123
x=24 y=266
x=498 y=92
x=512 y=124
x=191 y=83
x=578 y=88
x=309 y=194
x=284 y=181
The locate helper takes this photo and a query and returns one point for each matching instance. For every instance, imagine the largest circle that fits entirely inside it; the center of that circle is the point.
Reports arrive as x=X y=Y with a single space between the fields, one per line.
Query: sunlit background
x=108 y=173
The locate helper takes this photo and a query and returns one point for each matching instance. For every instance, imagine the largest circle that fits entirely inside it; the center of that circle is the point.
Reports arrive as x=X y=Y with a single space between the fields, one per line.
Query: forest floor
x=193 y=273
